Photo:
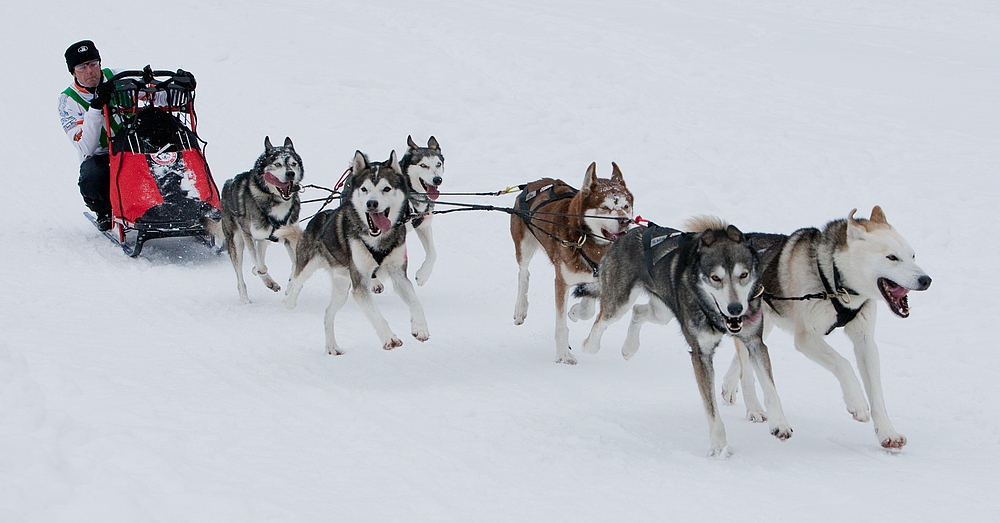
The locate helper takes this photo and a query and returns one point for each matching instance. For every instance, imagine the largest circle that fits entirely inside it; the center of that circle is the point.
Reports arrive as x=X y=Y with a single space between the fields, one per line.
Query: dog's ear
x=616 y=175
x=878 y=216
x=267 y=144
x=855 y=229
x=394 y=163
x=590 y=179
x=734 y=234
x=411 y=144
x=360 y=163
x=433 y=144
x=708 y=237
x=288 y=143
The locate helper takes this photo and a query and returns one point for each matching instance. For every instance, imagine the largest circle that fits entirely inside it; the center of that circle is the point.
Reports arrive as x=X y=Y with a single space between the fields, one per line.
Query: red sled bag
x=161 y=185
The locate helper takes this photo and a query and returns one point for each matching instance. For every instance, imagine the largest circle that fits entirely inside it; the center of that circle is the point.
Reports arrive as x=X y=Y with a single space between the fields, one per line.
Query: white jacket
x=83 y=125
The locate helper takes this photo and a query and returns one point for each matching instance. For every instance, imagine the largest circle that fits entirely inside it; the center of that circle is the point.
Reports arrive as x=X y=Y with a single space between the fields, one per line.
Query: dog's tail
x=587 y=290
x=704 y=222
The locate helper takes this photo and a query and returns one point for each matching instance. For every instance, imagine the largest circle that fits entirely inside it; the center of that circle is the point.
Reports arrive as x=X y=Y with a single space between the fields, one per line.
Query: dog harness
x=834 y=293
x=844 y=314
x=525 y=211
x=653 y=236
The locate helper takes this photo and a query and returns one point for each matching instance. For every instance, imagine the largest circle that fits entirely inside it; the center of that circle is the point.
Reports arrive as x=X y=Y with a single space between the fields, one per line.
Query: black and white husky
x=358 y=242
x=819 y=280
x=423 y=168
x=709 y=281
x=261 y=206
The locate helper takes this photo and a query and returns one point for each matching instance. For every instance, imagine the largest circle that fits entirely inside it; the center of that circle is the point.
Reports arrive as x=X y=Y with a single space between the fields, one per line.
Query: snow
x=142 y=390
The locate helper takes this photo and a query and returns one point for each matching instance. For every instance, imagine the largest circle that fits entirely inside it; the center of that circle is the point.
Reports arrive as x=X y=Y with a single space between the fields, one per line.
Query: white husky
x=817 y=281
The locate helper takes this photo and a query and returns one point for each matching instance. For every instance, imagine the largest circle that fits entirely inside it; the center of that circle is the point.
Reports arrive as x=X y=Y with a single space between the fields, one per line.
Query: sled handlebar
x=147 y=76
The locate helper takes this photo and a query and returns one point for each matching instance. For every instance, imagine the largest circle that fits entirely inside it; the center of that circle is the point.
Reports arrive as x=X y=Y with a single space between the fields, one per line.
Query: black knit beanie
x=80 y=52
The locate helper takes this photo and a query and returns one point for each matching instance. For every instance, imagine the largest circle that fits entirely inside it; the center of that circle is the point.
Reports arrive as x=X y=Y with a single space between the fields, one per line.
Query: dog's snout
x=735 y=309
x=923 y=282
x=372 y=205
x=289 y=175
x=437 y=180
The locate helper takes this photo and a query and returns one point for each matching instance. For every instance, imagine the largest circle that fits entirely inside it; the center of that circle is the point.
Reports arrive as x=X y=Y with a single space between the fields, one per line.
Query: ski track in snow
x=142 y=390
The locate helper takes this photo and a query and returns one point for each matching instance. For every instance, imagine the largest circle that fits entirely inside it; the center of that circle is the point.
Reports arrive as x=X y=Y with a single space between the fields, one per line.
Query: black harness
x=834 y=293
x=844 y=314
x=525 y=211
x=652 y=236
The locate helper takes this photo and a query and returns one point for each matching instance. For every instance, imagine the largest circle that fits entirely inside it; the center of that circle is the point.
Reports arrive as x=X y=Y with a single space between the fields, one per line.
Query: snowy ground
x=142 y=390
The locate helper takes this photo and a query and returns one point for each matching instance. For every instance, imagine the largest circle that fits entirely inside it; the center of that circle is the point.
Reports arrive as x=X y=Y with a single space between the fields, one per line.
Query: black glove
x=181 y=73
x=102 y=95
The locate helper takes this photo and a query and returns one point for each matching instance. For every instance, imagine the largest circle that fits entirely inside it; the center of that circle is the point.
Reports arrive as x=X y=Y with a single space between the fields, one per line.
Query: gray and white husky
x=817 y=281
x=709 y=281
x=261 y=206
x=359 y=241
x=423 y=168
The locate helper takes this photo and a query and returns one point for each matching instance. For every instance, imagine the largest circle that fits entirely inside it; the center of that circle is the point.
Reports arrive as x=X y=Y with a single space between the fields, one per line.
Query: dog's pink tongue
x=899 y=292
x=282 y=186
x=432 y=192
x=381 y=221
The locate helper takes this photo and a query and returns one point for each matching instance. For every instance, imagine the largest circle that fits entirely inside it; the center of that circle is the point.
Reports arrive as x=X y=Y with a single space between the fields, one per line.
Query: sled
x=161 y=185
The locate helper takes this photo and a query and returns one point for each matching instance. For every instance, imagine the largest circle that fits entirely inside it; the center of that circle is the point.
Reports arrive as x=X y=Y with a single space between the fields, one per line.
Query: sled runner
x=161 y=185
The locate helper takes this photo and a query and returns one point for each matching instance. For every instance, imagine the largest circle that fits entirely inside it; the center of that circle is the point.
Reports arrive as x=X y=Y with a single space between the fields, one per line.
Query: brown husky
x=575 y=228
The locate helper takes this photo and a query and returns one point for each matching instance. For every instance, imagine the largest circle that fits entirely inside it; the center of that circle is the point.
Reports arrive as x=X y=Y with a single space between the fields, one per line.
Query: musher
x=80 y=112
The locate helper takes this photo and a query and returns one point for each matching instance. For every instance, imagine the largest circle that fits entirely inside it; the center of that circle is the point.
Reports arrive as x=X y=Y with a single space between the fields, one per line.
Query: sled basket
x=161 y=185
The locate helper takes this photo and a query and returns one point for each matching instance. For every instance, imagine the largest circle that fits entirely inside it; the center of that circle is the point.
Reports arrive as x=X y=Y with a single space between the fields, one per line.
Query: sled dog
x=708 y=280
x=818 y=281
x=423 y=168
x=359 y=241
x=575 y=229
x=261 y=206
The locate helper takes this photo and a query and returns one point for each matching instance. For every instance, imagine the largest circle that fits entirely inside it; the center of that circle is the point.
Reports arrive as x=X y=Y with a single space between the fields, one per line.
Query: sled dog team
x=714 y=278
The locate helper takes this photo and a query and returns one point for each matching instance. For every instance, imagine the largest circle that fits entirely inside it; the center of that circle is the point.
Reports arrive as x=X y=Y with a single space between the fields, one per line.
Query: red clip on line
x=639 y=220
x=343 y=178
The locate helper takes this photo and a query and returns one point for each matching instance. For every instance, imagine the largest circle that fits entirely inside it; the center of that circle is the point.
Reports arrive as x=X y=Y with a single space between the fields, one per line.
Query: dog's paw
x=891 y=439
x=377 y=287
x=392 y=343
x=723 y=452
x=582 y=311
x=520 y=313
x=289 y=302
x=423 y=274
x=421 y=334
x=629 y=349
x=273 y=285
x=334 y=351
x=566 y=358
x=591 y=346
x=781 y=431
x=859 y=410
x=729 y=394
x=757 y=416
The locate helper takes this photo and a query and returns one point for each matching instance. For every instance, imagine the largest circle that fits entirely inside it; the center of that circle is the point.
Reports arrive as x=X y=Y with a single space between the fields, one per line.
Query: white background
x=142 y=390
